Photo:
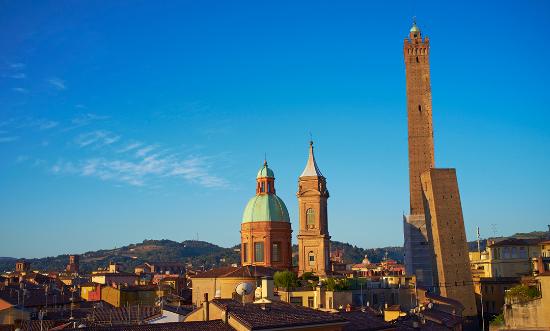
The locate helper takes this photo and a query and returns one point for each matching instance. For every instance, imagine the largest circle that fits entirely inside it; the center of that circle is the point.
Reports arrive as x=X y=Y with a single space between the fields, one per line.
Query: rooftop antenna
x=494 y=228
x=478 y=243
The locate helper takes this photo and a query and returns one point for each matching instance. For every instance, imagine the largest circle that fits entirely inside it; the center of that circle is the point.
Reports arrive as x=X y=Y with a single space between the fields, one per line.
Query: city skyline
x=136 y=129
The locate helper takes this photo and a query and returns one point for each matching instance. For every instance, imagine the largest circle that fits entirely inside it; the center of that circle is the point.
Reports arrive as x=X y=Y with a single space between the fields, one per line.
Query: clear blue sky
x=126 y=120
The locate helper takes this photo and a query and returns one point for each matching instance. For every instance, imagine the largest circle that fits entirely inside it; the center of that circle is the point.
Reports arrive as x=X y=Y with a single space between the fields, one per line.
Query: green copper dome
x=265 y=208
x=265 y=171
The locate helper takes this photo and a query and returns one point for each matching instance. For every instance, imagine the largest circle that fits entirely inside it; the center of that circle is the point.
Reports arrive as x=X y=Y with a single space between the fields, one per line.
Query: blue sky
x=126 y=120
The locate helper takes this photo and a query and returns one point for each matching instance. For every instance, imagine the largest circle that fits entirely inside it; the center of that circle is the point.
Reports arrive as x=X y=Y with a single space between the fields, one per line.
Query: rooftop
x=246 y=271
x=215 y=325
x=276 y=315
x=364 y=320
x=515 y=242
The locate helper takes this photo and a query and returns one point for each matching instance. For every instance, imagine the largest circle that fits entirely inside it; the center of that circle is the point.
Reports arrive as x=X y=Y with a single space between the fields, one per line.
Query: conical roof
x=311 y=169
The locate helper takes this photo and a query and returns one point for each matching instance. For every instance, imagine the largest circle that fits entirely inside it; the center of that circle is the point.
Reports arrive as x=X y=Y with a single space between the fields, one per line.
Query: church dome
x=265 y=171
x=265 y=208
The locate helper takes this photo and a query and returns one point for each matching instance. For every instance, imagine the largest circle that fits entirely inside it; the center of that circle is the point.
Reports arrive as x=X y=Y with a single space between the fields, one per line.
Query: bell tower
x=313 y=236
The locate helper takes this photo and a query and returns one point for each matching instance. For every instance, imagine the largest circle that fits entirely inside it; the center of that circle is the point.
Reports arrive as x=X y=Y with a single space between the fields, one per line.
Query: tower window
x=245 y=252
x=268 y=187
x=263 y=188
x=419 y=108
x=310 y=218
x=276 y=252
x=311 y=258
x=258 y=252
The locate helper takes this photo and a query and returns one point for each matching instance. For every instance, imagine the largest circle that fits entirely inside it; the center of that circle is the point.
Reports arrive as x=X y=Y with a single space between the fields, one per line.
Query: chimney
x=206 y=307
x=267 y=288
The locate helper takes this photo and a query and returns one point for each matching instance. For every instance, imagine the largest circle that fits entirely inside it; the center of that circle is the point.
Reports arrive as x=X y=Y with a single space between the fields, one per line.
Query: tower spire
x=311 y=169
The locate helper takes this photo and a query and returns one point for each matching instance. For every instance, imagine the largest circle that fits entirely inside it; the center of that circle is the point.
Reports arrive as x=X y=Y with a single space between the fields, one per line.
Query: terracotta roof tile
x=215 y=325
x=276 y=314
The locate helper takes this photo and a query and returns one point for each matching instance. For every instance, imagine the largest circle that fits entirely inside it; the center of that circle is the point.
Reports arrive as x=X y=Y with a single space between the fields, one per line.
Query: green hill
x=203 y=254
x=199 y=253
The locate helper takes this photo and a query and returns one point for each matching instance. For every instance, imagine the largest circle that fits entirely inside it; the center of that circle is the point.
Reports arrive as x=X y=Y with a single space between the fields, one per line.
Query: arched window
x=311 y=258
x=310 y=218
x=263 y=187
x=419 y=108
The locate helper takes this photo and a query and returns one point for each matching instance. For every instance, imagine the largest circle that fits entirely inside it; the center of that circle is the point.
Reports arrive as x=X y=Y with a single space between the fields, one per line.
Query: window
x=310 y=218
x=268 y=187
x=259 y=252
x=263 y=187
x=296 y=301
x=276 y=252
x=419 y=108
x=522 y=253
x=506 y=254
x=310 y=302
x=311 y=258
x=245 y=252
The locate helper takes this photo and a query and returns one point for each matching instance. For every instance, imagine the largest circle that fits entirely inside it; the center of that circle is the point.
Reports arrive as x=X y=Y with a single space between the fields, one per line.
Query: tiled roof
x=181 y=310
x=441 y=317
x=275 y=315
x=246 y=271
x=457 y=304
x=215 y=325
x=114 y=274
x=34 y=325
x=516 y=242
x=366 y=320
x=167 y=264
x=118 y=315
x=36 y=296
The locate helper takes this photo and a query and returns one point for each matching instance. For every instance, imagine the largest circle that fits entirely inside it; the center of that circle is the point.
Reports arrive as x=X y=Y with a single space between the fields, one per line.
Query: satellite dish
x=244 y=289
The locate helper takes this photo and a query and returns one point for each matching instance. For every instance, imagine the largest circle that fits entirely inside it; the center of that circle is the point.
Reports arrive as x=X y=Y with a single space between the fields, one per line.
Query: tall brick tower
x=435 y=240
x=446 y=232
x=313 y=237
x=418 y=253
x=419 y=111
